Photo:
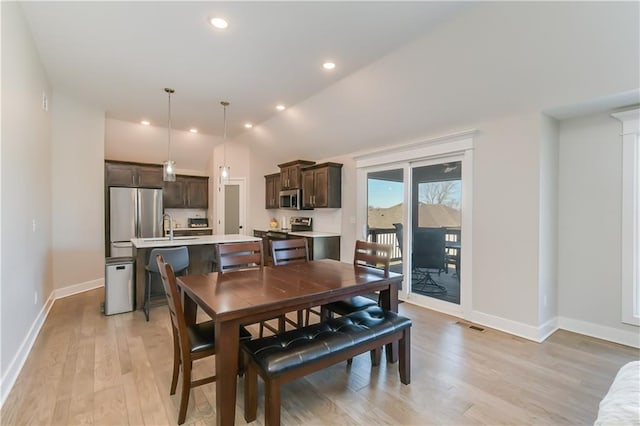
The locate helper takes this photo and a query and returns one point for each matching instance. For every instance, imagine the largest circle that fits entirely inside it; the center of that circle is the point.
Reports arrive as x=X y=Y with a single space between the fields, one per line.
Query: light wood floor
x=86 y=368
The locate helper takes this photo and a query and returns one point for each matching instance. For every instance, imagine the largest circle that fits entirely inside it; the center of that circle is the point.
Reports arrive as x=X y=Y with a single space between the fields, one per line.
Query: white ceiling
x=119 y=56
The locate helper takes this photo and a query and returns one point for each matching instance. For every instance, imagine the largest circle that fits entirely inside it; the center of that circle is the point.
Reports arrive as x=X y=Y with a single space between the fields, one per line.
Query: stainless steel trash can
x=118 y=285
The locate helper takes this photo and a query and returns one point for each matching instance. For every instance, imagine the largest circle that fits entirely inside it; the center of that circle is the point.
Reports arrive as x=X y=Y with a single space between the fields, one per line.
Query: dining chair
x=429 y=253
x=190 y=342
x=177 y=257
x=286 y=252
x=368 y=254
x=239 y=256
x=233 y=257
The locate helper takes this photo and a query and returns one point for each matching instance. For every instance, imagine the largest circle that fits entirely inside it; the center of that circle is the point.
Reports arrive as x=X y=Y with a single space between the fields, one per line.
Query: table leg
x=227 y=345
x=190 y=309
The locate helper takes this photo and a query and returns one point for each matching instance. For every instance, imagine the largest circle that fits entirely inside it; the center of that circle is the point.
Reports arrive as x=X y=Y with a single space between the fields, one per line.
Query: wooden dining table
x=247 y=297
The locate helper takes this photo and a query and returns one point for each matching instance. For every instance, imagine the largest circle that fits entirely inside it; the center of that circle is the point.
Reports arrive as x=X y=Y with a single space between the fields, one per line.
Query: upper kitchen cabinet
x=133 y=174
x=272 y=191
x=290 y=173
x=187 y=192
x=322 y=186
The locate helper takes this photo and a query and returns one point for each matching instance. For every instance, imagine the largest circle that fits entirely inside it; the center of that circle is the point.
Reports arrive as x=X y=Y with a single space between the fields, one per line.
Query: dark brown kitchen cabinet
x=322 y=247
x=197 y=192
x=290 y=173
x=192 y=232
x=322 y=186
x=173 y=194
x=187 y=192
x=272 y=191
x=133 y=174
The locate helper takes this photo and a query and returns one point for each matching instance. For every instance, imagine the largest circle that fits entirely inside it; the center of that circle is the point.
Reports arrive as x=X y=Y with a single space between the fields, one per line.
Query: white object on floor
x=621 y=405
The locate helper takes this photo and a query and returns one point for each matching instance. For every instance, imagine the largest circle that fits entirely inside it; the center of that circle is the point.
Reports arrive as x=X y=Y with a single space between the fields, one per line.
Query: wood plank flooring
x=86 y=368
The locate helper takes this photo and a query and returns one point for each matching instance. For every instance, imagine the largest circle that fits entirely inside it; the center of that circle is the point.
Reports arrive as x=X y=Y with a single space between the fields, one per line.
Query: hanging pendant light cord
x=225 y=170
x=169 y=91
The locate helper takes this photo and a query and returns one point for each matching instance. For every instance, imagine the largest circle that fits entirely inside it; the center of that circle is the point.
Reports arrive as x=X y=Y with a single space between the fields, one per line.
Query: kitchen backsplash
x=180 y=216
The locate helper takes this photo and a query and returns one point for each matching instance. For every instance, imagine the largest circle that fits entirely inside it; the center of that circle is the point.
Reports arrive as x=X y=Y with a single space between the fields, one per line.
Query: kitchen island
x=322 y=245
x=201 y=256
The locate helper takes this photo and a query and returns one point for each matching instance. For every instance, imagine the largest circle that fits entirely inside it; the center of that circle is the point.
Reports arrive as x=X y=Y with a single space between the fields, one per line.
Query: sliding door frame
x=457 y=147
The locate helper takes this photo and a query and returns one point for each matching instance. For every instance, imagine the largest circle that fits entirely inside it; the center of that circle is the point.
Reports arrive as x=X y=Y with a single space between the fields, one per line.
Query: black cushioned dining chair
x=233 y=257
x=286 y=252
x=368 y=254
x=190 y=342
x=177 y=257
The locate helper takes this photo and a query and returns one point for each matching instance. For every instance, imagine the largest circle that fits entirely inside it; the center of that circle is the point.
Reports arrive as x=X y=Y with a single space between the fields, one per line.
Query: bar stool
x=177 y=257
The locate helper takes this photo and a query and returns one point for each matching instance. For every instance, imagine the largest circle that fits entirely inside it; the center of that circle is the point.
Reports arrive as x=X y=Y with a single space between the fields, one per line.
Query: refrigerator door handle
x=138 y=214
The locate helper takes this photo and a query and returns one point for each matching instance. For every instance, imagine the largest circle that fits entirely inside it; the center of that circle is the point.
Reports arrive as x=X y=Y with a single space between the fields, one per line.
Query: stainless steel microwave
x=291 y=199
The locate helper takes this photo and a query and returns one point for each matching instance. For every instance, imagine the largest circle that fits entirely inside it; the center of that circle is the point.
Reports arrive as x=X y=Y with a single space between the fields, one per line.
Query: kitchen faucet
x=170 y=224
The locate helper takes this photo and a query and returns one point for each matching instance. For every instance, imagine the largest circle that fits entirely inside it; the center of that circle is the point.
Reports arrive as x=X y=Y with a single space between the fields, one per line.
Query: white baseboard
x=78 y=288
x=526 y=331
x=14 y=368
x=624 y=337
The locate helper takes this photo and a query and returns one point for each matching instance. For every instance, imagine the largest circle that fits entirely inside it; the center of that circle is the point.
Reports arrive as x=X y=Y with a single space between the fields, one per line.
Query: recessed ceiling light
x=219 y=23
x=248 y=125
x=328 y=65
x=145 y=123
x=280 y=107
x=193 y=130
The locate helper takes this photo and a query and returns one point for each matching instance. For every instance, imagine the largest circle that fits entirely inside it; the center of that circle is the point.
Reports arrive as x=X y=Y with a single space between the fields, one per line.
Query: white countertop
x=314 y=234
x=191 y=241
x=308 y=234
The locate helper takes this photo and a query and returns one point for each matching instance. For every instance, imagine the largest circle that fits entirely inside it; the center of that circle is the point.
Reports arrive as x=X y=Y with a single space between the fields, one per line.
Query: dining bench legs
x=285 y=357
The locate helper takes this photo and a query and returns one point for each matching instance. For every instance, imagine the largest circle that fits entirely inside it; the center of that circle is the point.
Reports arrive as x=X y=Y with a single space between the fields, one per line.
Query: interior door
x=231 y=207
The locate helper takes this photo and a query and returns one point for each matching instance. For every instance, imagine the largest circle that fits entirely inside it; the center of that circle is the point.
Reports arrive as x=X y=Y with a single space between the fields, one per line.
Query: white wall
x=589 y=246
x=548 y=246
x=78 y=193
x=26 y=192
x=127 y=141
x=526 y=58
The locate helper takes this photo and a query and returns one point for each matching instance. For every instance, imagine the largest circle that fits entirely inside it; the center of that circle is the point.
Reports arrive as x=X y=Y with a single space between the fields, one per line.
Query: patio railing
x=388 y=236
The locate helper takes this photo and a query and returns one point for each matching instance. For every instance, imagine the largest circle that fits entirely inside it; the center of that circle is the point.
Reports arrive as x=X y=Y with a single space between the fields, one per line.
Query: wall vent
x=471 y=326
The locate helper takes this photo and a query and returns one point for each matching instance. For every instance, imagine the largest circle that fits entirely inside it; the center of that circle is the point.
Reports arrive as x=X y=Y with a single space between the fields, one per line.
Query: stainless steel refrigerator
x=133 y=213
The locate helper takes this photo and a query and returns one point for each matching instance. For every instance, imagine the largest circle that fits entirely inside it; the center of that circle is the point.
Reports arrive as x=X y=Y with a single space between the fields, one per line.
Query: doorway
x=429 y=221
x=231 y=205
x=436 y=220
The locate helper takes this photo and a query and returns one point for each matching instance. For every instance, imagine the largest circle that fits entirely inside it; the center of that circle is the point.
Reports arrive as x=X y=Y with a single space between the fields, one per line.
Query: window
x=630 y=215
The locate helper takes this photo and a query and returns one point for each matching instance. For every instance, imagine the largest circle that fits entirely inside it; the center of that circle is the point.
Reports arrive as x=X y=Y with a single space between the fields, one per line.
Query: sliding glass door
x=418 y=199
x=385 y=211
x=436 y=219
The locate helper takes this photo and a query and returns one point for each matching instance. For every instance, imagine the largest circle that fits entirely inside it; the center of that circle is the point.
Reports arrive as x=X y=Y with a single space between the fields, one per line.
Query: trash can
x=118 y=285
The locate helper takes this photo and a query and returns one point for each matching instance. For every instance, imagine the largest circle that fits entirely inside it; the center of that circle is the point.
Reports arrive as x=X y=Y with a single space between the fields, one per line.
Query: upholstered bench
x=287 y=356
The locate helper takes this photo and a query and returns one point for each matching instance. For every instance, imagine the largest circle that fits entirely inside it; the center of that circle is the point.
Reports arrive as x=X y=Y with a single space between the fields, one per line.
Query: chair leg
x=186 y=388
x=307 y=315
x=250 y=393
x=242 y=362
x=299 y=319
x=376 y=355
x=404 y=366
x=261 y=334
x=176 y=363
x=147 y=300
x=281 y=324
x=272 y=403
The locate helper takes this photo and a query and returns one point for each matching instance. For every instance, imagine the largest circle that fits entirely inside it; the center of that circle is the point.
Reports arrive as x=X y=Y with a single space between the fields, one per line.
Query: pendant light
x=169 y=166
x=224 y=169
